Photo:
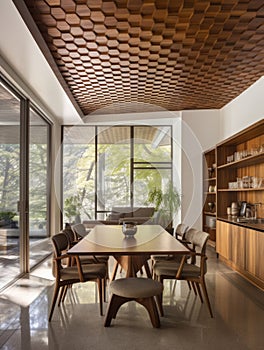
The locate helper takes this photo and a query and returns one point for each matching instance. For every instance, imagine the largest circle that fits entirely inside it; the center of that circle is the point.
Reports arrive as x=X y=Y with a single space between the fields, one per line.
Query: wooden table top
x=110 y=240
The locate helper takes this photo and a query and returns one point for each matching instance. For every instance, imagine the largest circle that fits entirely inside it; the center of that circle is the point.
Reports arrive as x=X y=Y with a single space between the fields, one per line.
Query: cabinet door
x=251 y=243
x=255 y=252
x=259 y=255
x=223 y=239
x=238 y=247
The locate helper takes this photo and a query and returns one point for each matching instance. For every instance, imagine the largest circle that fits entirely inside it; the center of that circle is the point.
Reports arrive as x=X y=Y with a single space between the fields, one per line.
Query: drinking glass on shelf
x=239 y=183
x=256 y=182
x=254 y=151
x=244 y=153
x=230 y=159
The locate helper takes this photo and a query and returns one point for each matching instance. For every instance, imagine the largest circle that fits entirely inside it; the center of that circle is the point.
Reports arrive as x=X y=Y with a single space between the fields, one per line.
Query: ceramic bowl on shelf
x=211 y=189
x=211 y=206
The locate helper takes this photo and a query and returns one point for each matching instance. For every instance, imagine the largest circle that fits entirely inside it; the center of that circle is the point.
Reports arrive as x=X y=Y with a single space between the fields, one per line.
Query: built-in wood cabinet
x=240 y=170
x=242 y=249
x=209 y=194
x=231 y=243
x=255 y=247
x=223 y=245
x=239 y=179
x=238 y=245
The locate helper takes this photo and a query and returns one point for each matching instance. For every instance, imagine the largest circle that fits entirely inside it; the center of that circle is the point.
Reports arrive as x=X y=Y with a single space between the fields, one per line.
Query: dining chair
x=79 y=231
x=88 y=259
x=180 y=233
x=195 y=271
x=71 y=236
x=141 y=290
x=192 y=271
x=66 y=275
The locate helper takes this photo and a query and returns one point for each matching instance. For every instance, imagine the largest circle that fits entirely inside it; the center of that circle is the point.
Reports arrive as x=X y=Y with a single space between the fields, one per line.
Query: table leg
x=133 y=263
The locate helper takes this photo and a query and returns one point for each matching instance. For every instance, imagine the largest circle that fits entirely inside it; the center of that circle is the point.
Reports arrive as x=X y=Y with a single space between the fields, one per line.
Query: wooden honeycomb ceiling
x=178 y=55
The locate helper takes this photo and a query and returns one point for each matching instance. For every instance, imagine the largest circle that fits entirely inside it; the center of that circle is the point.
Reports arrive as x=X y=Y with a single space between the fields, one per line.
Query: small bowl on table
x=129 y=228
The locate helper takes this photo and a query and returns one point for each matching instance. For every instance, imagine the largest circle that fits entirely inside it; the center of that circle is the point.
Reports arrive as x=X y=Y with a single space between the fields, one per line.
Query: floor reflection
x=10 y=260
x=237 y=305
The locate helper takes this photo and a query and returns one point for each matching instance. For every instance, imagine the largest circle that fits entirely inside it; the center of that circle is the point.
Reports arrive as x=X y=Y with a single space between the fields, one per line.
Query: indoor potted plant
x=167 y=204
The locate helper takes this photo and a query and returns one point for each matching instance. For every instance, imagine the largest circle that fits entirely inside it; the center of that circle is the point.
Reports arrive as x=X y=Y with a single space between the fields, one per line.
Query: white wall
x=243 y=111
x=200 y=131
x=20 y=53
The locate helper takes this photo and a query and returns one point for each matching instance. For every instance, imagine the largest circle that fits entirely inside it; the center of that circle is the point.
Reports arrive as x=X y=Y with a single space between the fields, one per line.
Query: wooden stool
x=142 y=290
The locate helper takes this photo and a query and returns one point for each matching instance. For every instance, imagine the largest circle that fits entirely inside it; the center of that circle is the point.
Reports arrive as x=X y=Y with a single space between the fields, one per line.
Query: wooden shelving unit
x=209 y=190
x=238 y=246
x=248 y=141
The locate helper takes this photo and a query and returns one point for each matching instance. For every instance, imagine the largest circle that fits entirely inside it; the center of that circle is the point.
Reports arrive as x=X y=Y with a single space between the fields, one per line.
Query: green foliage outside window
x=167 y=203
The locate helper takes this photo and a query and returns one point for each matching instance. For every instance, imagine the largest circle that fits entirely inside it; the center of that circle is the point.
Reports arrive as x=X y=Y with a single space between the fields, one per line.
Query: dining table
x=132 y=253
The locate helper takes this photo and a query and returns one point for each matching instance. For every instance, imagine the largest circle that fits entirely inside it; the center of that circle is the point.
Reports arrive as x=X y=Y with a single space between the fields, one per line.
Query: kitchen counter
x=255 y=224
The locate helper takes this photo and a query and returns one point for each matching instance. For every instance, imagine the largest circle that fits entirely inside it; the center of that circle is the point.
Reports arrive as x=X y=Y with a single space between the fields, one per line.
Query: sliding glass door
x=9 y=185
x=38 y=187
x=24 y=185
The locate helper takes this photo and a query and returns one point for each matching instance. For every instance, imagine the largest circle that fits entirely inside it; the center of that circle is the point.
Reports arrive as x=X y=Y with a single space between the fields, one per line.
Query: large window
x=38 y=187
x=24 y=185
x=79 y=173
x=106 y=167
x=9 y=184
x=152 y=162
x=113 y=168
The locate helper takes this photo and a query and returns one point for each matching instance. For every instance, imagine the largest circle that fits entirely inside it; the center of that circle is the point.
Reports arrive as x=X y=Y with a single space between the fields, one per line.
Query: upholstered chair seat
x=141 y=290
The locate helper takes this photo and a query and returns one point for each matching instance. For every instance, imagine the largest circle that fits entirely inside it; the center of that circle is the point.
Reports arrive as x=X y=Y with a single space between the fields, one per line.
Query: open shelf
x=210 y=179
x=209 y=182
x=209 y=213
x=240 y=189
x=239 y=242
x=250 y=160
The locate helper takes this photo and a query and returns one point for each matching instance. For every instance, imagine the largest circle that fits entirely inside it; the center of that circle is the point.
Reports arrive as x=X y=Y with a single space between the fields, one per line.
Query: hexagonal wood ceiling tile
x=177 y=55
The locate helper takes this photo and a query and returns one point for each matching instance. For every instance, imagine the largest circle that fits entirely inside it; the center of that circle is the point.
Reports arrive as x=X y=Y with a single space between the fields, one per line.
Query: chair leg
x=189 y=285
x=115 y=303
x=115 y=271
x=206 y=297
x=159 y=304
x=100 y=291
x=104 y=288
x=147 y=269
x=54 y=299
x=150 y=305
x=199 y=292
x=62 y=294
x=65 y=289
x=107 y=270
x=194 y=288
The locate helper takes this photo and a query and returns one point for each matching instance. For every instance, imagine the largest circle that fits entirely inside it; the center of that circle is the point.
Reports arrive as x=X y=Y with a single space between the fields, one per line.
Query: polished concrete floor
x=238 y=322
x=39 y=248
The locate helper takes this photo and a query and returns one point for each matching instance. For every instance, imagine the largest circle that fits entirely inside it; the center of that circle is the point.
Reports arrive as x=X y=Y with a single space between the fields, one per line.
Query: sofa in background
x=118 y=215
